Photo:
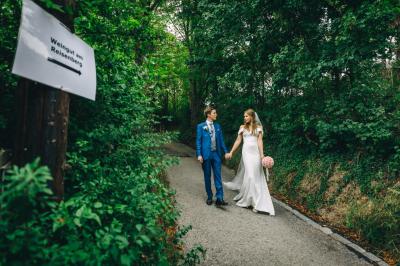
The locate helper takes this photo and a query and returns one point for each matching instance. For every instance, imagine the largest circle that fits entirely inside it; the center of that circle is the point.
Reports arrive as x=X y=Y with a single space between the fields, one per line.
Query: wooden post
x=42 y=121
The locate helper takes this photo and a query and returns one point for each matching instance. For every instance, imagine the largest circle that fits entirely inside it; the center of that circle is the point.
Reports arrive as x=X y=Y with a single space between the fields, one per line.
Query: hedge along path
x=237 y=236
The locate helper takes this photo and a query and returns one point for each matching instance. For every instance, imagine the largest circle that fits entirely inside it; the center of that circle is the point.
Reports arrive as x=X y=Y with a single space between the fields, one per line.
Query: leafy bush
x=116 y=210
x=121 y=219
x=25 y=215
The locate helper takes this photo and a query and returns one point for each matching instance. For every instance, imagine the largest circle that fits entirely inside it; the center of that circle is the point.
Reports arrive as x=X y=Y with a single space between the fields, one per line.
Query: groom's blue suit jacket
x=203 y=141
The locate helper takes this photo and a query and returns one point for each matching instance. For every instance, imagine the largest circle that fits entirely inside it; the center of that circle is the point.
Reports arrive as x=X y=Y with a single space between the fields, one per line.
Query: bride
x=250 y=178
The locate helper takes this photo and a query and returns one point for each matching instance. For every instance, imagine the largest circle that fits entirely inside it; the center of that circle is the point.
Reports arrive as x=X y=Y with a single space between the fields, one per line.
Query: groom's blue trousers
x=214 y=162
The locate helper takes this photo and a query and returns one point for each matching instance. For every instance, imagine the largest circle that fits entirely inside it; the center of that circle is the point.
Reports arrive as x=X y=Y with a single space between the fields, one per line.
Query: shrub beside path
x=237 y=236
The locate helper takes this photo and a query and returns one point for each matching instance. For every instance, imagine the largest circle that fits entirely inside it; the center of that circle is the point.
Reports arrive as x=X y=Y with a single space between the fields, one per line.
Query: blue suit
x=211 y=159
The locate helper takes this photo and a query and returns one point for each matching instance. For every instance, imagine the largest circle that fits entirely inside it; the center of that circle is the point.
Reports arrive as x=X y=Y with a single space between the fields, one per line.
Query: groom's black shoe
x=221 y=203
x=209 y=201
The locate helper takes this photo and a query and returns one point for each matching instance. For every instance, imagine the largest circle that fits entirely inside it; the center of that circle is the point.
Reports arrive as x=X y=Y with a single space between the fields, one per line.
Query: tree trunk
x=42 y=121
x=195 y=105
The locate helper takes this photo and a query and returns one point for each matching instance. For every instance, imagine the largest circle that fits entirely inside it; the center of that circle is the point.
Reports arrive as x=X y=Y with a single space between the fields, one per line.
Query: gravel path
x=237 y=236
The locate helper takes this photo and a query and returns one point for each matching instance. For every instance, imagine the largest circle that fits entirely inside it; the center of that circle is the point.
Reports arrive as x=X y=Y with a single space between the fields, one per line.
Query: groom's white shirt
x=209 y=124
x=213 y=140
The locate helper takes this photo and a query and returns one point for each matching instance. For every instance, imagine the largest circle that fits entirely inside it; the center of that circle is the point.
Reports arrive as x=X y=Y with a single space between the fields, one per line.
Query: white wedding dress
x=250 y=179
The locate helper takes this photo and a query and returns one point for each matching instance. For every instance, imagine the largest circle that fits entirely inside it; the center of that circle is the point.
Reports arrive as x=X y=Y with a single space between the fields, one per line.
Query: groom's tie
x=213 y=142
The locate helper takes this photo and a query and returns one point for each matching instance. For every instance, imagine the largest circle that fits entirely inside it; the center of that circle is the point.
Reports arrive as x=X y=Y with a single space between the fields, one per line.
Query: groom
x=210 y=148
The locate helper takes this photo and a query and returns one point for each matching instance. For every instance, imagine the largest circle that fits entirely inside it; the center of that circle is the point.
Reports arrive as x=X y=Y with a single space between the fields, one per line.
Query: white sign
x=49 y=53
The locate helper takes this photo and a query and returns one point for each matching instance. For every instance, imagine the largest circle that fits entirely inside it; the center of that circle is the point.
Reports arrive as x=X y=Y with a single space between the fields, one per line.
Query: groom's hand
x=200 y=159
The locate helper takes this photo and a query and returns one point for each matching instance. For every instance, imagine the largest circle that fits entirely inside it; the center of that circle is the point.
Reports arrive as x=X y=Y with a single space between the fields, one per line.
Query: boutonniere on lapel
x=205 y=128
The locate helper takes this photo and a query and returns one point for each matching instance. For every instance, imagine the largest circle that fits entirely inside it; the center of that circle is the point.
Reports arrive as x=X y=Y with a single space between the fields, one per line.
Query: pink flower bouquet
x=267 y=162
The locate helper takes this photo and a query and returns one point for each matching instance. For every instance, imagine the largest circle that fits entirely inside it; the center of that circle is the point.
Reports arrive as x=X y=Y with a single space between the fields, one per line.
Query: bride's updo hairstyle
x=252 y=125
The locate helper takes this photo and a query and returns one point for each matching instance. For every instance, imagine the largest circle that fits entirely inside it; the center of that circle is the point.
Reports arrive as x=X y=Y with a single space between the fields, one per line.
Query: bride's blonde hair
x=252 y=125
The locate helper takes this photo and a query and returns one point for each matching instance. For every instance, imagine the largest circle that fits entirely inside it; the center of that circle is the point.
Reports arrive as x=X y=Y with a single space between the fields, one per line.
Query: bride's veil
x=237 y=181
x=258 y=121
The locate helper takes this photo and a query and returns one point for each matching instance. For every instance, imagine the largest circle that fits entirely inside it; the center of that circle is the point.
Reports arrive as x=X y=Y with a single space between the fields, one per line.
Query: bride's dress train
x=250 y=178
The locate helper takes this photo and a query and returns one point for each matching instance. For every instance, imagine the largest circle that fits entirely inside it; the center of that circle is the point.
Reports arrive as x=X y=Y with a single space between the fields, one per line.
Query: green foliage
x=169 y=90
x=193 y=257
x=379 y=223
x=116 y=210
x=25 y=220
x=51 y=5
x=121 y=220
x=113 y=152
x=375 y=216
x=314 y=71
x=323 y=76
x=9 y=21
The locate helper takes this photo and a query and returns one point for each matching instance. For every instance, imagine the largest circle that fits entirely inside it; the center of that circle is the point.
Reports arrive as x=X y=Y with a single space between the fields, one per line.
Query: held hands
x=228 y=156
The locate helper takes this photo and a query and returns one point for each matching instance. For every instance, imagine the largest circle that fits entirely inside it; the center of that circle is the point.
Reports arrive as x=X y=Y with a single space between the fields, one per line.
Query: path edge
x=368 y=256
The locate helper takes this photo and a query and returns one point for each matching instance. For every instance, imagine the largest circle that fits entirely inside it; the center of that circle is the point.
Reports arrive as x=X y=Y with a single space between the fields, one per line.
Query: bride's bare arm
x=260 y=144
x=236 y=144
